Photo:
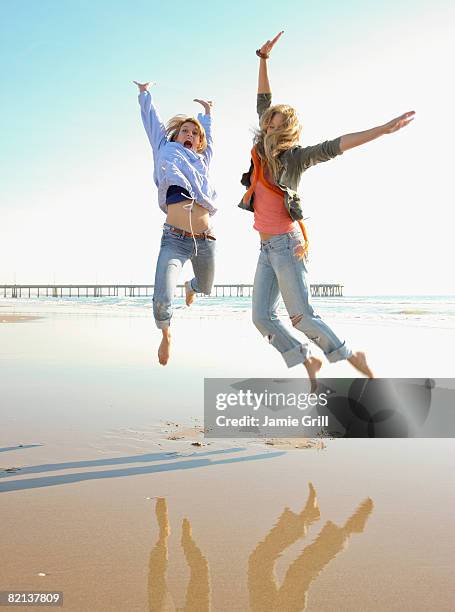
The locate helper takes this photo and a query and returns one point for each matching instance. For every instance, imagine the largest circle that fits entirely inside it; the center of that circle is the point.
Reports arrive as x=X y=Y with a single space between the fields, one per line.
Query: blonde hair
x=175 y=123
x=270 y=146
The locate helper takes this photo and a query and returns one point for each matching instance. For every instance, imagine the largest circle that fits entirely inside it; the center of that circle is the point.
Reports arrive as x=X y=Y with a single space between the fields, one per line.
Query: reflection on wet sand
x=198 y=591
x=265 y=595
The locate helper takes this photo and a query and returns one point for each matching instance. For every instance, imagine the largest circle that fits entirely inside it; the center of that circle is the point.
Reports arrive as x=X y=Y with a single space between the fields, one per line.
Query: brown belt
x=182 y=232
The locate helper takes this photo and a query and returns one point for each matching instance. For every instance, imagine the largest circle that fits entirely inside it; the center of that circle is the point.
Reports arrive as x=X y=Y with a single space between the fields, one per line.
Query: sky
x=78 y=203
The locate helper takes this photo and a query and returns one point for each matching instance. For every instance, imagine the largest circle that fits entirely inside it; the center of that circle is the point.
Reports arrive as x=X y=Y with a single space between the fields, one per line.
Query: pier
x=80 y=291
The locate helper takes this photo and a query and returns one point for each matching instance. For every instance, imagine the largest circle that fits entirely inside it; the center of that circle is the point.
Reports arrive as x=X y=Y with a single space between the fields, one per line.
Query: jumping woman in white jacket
x=182 y=151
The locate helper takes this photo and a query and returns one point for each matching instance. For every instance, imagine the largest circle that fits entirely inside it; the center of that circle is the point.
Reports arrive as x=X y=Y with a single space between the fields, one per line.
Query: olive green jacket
x=294 y=161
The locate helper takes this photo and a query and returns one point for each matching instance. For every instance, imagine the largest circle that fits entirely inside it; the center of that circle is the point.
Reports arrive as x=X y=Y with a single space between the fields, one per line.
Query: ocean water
x=437 y=311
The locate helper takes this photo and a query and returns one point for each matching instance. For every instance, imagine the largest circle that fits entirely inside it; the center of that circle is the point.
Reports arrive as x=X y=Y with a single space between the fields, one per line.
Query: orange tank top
x=270 y=214
x=258 y=178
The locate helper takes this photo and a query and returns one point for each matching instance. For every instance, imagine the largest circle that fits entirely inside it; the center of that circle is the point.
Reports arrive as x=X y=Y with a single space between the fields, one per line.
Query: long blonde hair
x=270 y=146
x=175 y=123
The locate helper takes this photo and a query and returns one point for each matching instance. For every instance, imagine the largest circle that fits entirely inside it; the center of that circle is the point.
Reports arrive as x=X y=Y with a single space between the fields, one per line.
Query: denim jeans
x=175 y=250
x=280 y=271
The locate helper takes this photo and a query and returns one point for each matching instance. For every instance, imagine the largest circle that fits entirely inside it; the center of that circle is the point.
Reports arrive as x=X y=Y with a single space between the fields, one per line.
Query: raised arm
x=206 y=121
x=264 y=98
x=305 y=157
x=264 y=53
x=349 y=141
x=154 y=127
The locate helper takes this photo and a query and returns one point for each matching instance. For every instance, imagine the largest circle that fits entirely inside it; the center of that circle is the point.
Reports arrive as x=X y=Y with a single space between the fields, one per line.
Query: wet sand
x=110 y=499
x=13 y=318
x=347 y=528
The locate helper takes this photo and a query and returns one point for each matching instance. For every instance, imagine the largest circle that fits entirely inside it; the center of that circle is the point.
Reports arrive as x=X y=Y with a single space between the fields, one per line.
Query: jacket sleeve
x=206 y=122
x=305 y=157
x=154 y=127
x=264 y=100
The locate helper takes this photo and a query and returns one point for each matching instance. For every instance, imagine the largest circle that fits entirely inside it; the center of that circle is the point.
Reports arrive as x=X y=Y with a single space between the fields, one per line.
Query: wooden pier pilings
x=60 y=291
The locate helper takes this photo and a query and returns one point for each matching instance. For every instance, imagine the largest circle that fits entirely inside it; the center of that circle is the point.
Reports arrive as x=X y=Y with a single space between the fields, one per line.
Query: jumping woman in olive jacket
x=277 y=164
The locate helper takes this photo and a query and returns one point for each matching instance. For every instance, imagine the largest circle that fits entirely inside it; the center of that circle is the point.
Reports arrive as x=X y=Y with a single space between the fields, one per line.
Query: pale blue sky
x=77 y=200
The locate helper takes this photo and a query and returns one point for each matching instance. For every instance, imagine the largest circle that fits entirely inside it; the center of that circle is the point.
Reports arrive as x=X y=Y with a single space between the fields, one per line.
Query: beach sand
x=13 y=318
x=111 y=494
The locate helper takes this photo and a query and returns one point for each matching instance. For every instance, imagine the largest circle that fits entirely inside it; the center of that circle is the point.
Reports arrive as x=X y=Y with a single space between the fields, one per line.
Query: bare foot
x=189 y=294
x=359 y=361
x=313 y=365
x=164 y=349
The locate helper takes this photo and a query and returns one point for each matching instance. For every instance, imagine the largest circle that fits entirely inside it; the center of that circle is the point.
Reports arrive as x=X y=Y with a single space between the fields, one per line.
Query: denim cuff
x=342 y=352
x=163 y=324
x=296 y=355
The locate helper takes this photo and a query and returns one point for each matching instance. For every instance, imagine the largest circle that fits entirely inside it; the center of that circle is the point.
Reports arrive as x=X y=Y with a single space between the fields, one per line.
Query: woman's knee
x=295 y=319
x=306 y=324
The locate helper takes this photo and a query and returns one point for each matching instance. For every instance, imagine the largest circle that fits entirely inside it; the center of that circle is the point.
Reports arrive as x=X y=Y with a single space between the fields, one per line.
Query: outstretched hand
x=144 y=86
x=207 y=104
x=267 y=47
x=399 y=122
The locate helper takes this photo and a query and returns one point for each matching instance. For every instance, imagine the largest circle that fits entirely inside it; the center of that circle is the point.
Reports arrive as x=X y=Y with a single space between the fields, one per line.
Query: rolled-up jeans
x=280 y=271
x=176 y=249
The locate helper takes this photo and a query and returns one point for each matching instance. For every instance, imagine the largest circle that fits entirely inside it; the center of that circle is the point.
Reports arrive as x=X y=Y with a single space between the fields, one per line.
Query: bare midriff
x=179 y=216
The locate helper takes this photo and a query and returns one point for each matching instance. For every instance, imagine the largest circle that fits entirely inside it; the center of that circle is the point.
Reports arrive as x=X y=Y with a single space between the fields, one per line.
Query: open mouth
x=188 y=144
